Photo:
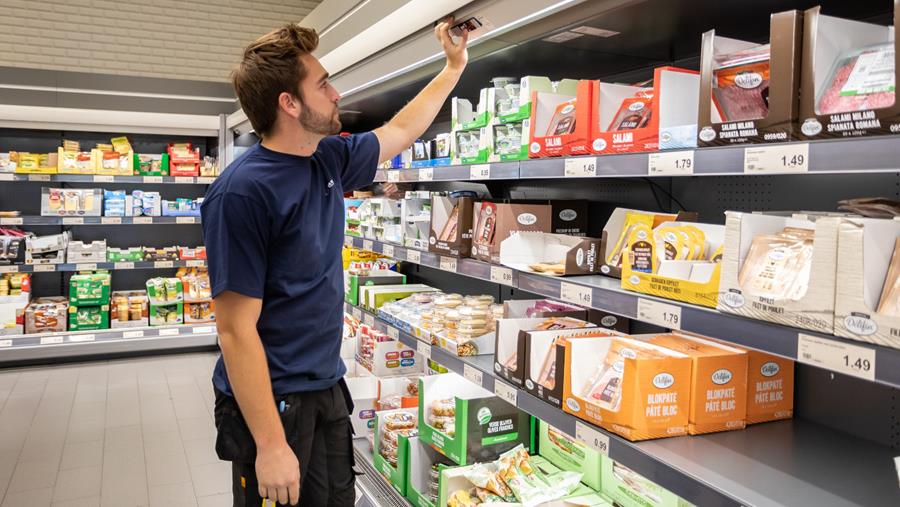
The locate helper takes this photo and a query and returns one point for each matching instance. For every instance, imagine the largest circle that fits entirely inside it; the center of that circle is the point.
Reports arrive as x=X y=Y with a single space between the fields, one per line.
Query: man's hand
x=457 y=54
x=278 y=474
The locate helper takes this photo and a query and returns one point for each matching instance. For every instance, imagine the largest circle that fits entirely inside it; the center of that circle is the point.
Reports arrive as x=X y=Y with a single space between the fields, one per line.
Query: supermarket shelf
x=783 y=463
x=607 y=295
x=45 y=346
x=846 y=156
x=86 y=266
x=101 y=178
x=371 y=488
x=41 y=220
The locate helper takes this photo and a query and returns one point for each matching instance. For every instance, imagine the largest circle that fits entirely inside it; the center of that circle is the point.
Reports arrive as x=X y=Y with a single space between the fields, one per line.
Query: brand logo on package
x=637 y=106
x=861 y=324
x=599 y=144
x=497 y=367
x=526 y=219
x=627 y=353
x=535 y=147
x=642 y=235
x=604 y=269
x=579 y=257
x=529 y=384
x=568 y=215
x=733 y=298
x=777 y=254
x=634 y=279
x=609 y=321
x=721 y=377
x=663 y=380
x=619 y=366
x=568 y=109
x=769 y=369
x=432 y=240
x=670 y=237
x=707 y=134
x=573 y=404
x=484 y=415
x=748 y=80
x=811 y=127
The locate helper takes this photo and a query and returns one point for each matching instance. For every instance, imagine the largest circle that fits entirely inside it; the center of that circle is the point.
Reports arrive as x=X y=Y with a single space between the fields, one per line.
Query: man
x=273 y=227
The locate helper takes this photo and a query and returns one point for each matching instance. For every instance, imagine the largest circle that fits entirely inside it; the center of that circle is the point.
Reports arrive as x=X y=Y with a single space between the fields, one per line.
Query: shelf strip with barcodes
x=82 y=266
x=106 y=178
x=97 y=220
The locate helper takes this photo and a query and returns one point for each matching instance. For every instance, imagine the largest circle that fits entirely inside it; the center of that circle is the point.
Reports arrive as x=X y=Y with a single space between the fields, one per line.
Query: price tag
x=581 y=167
x=393 y=332
x=171 y=331
x=7 y=177
x=473 y=374
x=205 y=179
x=153 y=179
x=72 y=221
x=369 y=320
x=576 y=294
x=143 y=220
x=5 y=343
x=185 y=220
x=501 y=275
x=348 y=241
x=196 y=263
x=85 y=267
x=164 y=264
x=661 y=314
x=104 y=179
x=38 y=177
x=506 y=392
x=11 y=221
x=393 y=175
x=480 y=172
x=124 y=265
x=44 y=267
x=774 y=159
x=836 y=356
x=357 y=313
x=670 y=163
x=51 y=340
x=111 y=220
x=426 y=174
x=204 y=330
x=592 y=438
x=184 y=179
x=424 y=349
x=75 y=338
x=9 y=269
x=448 y=264
x=133 y=334
x=413 y=256
x=387 y=250
x=368 y=245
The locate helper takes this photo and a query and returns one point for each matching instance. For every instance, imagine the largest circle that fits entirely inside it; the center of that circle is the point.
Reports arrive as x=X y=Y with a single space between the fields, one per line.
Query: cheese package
x=620 y=226
x=635 y=389
x=718 y=381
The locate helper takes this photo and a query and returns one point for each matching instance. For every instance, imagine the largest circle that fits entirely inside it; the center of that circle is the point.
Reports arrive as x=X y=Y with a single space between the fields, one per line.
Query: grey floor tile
x=82 y=454
x=163 y=443
x=33 y=498
x=93 y=501
x=51 y=450
x=123 y=438
x=223 y=500
x=201 y=451
x=77 y=483
x=124 y=480
x=167 y=469
x=198 y=427
x=30 y=475
x=86 y=430
x=212 y=479
x=173 y=495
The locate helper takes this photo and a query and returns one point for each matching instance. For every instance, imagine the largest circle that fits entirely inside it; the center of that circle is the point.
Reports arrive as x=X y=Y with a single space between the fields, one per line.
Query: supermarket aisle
x=123 y=433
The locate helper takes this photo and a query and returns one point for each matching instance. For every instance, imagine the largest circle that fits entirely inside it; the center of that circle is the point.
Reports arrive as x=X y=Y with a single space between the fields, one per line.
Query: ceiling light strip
x=89 y=91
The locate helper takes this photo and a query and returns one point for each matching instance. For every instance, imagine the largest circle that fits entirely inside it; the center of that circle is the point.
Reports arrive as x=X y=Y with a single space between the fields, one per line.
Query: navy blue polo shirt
x=273 y=226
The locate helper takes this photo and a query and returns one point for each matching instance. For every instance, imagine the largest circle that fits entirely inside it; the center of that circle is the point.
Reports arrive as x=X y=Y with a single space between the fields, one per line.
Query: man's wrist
x=271 y=443
x=454 y=70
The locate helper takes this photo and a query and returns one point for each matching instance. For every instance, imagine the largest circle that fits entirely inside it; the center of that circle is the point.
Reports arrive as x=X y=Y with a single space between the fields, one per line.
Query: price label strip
x=661 y=314
x=205 y=179
x=480 y=172
x=506 y=392
x=11 y=221
x=393 y=175
x=184 y=179
x=426 y=174
x=448 y=264
x=153 y=179
x=103 y=179
x=185 y=220
x=44 y=267
x=133 y=334
x=592 y=437
x=836 y=356
x=387 y=250
x=502 y=275
x=38 y=177
x=424 y=350
x=124 y=265
x=369 y=320
x=671 y=163
x=9 y=269
x=348 y=241
x=164 y=264
x=473 y=375
x=51 y=340
x=170 y=332
x=580 y=167
x=775 y=159
x=413 y=256
x=204 y=330
x=368 y=245
x=111 y=220
x=75 y=338
x=142 y=220
x=72 y=221
x=576 y=294
x=357 y=313
x=393 y=332
x=85 y=267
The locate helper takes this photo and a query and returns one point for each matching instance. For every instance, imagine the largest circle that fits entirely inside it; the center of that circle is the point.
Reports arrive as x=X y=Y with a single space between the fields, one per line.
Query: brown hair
x=270 y=66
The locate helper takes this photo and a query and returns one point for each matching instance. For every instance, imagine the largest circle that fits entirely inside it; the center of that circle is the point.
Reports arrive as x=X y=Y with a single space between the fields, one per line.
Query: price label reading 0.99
x=661 y=314
x=576 y=294
x=774 y=159
x=502 y=276
x=580 y=167
x=836 y=356
x=592 y=438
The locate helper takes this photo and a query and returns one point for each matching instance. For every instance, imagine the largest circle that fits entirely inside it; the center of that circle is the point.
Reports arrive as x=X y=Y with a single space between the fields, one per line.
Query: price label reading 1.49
x=661 y=314
x=448 y=264
x=576 y=294
x=774 y=159
x=671 y=163
x=836 y=356
x=580 y=167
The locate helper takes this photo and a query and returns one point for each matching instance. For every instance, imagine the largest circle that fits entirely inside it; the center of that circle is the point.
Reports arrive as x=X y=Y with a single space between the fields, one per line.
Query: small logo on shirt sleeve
x=330 y=183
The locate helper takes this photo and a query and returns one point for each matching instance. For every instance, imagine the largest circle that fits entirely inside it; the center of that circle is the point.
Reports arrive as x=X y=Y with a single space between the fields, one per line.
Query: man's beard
x=319 y=123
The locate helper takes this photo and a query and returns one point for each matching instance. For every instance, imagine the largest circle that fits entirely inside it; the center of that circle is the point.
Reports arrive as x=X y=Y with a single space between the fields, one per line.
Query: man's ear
x=289 y=104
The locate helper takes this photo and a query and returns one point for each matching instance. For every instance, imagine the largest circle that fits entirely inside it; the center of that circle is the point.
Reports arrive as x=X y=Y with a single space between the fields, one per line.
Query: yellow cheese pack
x=632 y=220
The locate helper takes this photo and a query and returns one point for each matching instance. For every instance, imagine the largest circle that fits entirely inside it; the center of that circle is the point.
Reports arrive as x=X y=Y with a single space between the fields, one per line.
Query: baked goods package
x=467 y=423
x=451 y=226
x=495 y=221
x=621 y=225
x=511 y=348
x=748 y=91
x=353 y=281
x=627 y=488
x=424 y=472
x=767 y=265
x=384 y=355
x=391 y=450
x=569 y=454
x=129 y=308
x=46 y=315
x=467 y=329
x=718 y=381
x=632 y=388
x=848 y=78
x=551 y=254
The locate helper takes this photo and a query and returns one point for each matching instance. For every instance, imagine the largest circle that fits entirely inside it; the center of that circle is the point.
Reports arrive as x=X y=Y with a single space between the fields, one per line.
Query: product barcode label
x=592 y=438
x=124 y=265
x=196 y=263
x=11 y=221
x=171 y=331
x=348 y=241
x=581 y=167
x=44 y=267
x=661 y=314
x=357 y=313
x=575 y=294
x=413 y=256
x=185 y=220
x=204 y=330
x=387 y=250
x=133 y=334
x=480 y=172
x=393 y=332
x=369 y=320
x=51 y=340
x=473 y=375
x=785 y=158
x=393 y=175
x=75 y=338
x=205 y=179
x=426 y=174
x=38 y=177
x=184 y=179
x=424 y=349
x=85 y=267
x=153 y=179
x=501 y=275
x=368 y=245
x=7 y=177
x=104 y=179
x=836 y=356
x=143 y=220
x=111 y=220
x=164 y=264
x=5 y=343
x=670 y=163
x=506 y=392
x=72 y=221
x=448 y=264
x=9 y=269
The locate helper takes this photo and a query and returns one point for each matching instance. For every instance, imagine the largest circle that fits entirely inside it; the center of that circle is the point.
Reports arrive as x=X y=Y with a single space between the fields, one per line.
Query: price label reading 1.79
x=576 y=294
x=671 y=163
x=661 y=314
x=774 y=159
x=836 y=356
x=580 y=167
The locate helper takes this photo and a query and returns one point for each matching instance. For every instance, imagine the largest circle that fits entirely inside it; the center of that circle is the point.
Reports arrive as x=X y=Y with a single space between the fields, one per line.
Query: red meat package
x=634 y=113
x=862 y=79
x=742 y=91
x=563 y=121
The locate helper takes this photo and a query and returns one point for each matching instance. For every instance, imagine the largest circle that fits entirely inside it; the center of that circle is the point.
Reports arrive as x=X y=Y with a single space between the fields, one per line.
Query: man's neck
x=298 y=142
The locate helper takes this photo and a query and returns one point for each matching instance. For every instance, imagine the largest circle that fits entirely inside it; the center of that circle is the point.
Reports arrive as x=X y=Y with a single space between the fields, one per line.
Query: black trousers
x=317 y=428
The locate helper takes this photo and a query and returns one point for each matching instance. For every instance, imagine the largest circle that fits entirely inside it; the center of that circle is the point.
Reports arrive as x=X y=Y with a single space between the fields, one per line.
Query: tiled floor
x=126 y=433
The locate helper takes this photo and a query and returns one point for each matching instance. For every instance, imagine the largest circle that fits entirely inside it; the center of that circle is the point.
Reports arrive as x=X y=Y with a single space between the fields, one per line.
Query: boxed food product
x=570 y=454
x=718 y=381
x=631 y=388
x=494 y=222
x=415 y=215
x=46 y=249
x=8 y=162
x=184 y=159
x=169 y=253
x=848 y=77
x=181 y=207
x=451 y=226
x=424 y=471
x=471 y=146
x=75 y=161
x=79 y=251
x=541 y=308
x=560 y=122
x=421 y=154
x=46 y=315
x=198 y=312
x=465 y=330
x=397 y=392
x=209 y=167
x=151 y=165
x=676 y=260
x=391 y=453
x=145 y=204
x=36 y=163
x=86 y=318
x=569 y=217
x=465 y=422
x=71 y=202
x=383 y=355
x=352 y=282
x=117 y=203
x=165 y=290
x=192 y=254
x=518 y=105
x=512 y=338
x=131 y=254
x=129 y=308
x=551 y=254
x=89 y=289
x=113 y=162
x=509 y=141
x=766 y=269
x=627 y=488
x=15 y=285
x=12 y=248
x=740 y=100
x=166 y=314
x=372 y=297
x=363 y=388
x=622 y=222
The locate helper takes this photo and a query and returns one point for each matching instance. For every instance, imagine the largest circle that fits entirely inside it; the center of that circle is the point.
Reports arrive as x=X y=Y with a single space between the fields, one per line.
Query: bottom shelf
x=372 y=490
